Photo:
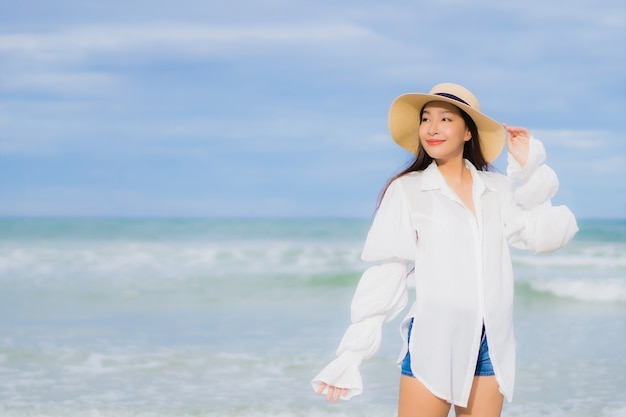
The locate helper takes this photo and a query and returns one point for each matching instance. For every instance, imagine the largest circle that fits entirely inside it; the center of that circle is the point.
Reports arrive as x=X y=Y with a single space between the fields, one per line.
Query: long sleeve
x=380 y=295
x=531 y=221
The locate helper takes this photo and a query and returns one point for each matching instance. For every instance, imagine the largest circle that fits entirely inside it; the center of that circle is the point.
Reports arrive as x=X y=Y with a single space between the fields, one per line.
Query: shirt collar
x=432 y=179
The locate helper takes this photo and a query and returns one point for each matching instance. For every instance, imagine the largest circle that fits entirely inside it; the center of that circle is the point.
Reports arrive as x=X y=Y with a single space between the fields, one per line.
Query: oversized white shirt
x=463 y=273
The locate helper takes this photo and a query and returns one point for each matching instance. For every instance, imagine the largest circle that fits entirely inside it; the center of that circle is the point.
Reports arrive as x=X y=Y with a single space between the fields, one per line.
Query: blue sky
x=279 y=108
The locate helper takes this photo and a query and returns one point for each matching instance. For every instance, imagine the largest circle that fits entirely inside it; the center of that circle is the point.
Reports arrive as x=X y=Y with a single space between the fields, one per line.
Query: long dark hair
x=471 y=152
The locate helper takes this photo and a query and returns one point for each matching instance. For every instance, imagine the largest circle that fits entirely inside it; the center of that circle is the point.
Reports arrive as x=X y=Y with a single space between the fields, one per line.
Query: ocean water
x=208 y=318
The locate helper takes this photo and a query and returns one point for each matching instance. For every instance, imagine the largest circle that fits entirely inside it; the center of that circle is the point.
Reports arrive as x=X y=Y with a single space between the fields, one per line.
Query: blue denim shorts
x=483 y=364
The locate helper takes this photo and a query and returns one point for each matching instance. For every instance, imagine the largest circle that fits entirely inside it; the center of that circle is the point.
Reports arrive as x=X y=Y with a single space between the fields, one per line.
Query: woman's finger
x=516 y=130
x=320 y=389
x=334 y=393
x=337 y=394
x=329 y=395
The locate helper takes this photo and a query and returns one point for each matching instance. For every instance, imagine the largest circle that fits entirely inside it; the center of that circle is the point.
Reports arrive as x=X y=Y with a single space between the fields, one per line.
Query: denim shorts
x=483 y=364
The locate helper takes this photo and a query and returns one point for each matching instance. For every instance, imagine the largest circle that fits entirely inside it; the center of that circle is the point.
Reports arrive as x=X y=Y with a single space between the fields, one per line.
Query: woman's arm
x=379 y=297
x=531 y=221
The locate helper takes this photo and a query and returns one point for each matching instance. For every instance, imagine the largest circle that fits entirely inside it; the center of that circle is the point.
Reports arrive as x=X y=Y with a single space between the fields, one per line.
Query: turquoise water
x=153 y=317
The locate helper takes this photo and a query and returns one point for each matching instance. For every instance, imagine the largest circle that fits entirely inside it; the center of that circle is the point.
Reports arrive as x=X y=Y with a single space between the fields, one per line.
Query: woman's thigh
x=485 y=399
x=416 y=401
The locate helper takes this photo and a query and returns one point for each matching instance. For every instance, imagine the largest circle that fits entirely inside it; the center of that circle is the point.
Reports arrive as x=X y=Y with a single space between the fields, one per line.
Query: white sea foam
x=281 y=410
x=173 y=260
x=131 y=268
x=120 y=324
x=591 y=271
x=605 y=289
x=590 y=256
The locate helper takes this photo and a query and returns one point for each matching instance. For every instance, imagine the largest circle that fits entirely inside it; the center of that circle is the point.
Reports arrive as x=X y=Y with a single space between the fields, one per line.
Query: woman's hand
x=333 y=392
x=517 y=142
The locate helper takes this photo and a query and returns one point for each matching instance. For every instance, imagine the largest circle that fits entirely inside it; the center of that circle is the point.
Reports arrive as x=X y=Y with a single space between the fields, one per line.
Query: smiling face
x=443 y=131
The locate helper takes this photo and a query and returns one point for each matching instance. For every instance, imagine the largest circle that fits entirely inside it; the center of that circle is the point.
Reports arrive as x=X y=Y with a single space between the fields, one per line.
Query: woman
x=450 y=221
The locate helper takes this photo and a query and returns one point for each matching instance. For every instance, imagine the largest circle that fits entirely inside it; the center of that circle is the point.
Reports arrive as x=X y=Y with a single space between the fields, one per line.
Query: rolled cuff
x=546 y=229
x=343 y=372
x=379 y=297
x=536 y=183
x=539 y=188
x=536 y=157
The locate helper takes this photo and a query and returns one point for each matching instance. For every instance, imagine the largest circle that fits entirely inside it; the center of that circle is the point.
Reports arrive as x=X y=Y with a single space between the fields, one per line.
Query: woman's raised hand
x=517 y=142
x=333 y=392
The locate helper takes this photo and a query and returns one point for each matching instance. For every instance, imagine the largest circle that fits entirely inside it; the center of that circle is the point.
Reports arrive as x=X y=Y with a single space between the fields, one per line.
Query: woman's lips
x=434 y=142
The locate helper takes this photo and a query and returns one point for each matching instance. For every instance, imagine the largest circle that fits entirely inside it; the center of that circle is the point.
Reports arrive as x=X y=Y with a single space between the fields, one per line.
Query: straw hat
x=404 y=118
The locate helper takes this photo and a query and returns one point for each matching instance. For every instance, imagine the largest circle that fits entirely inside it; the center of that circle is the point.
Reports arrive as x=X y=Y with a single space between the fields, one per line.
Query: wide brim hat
x=404 y=118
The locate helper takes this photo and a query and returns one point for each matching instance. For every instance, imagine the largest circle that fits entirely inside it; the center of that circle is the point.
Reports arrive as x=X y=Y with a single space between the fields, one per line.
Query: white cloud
x=303 y=81
x=607 y=15
x=79 y=42
x=67 y=82
x=579 y=139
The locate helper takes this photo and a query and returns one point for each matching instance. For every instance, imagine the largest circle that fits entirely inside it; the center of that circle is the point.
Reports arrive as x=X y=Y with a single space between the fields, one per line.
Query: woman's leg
x=485 y=399
x=416 y=401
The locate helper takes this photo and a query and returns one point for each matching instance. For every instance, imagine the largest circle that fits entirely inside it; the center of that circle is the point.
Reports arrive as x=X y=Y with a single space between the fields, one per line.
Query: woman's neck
x=454 y=171
x=459 y=179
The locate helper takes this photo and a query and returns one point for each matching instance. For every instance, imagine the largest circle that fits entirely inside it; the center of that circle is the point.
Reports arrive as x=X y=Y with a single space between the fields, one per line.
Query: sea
x=234 y=317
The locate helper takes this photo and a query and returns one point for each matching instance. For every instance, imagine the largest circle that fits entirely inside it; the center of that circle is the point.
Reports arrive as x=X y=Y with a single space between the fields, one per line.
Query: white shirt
x=463 y=273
